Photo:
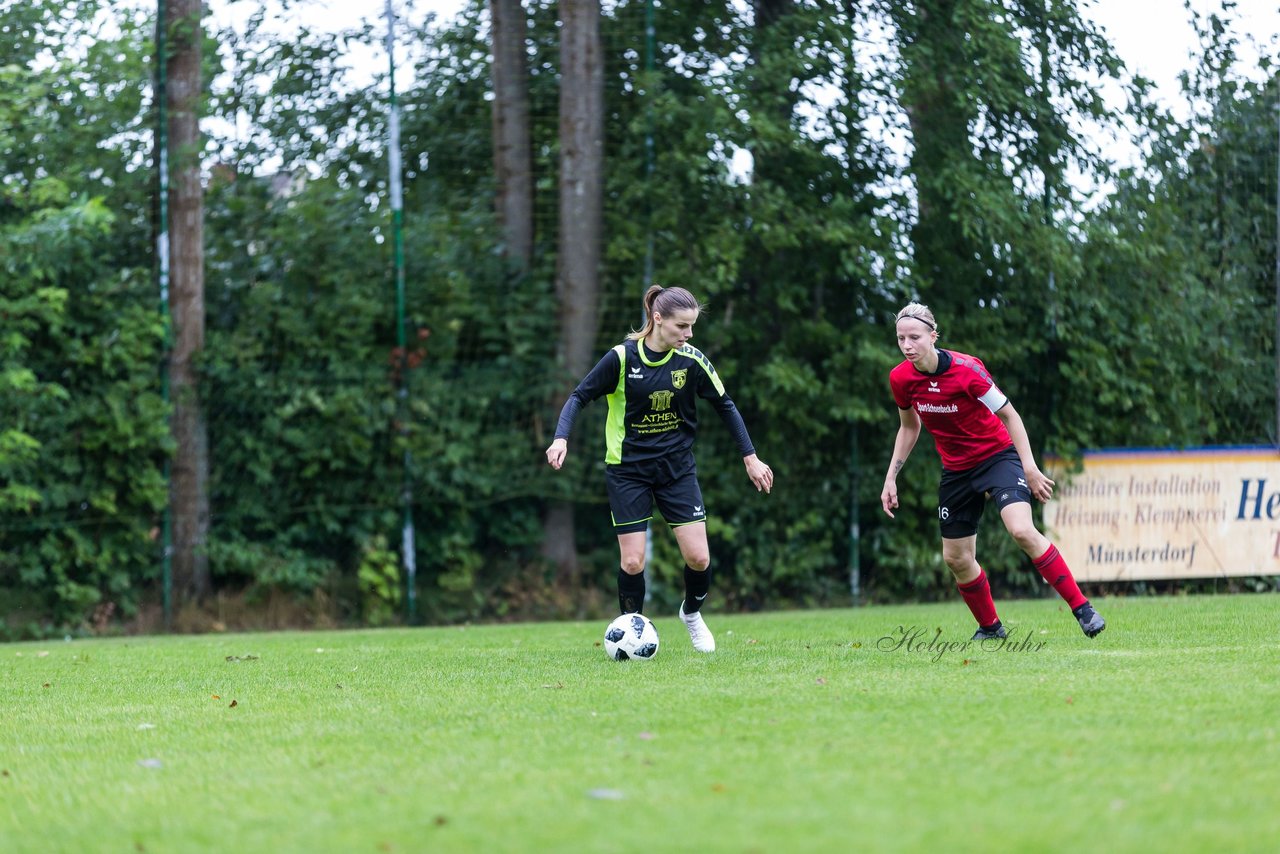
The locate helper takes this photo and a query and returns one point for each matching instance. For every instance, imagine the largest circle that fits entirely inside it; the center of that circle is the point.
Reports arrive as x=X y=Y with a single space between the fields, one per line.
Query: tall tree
x=189 y=498
x=995 y=92
x=581 y=206
x=512 y=149
x=1174 y=316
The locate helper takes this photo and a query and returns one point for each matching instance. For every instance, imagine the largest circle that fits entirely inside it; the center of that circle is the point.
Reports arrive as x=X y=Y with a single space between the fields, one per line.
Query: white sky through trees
x=1155 y=38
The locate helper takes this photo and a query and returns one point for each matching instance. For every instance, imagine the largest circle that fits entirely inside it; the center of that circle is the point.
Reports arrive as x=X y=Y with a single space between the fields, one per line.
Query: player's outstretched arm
x=556 y=453
x=761 y=475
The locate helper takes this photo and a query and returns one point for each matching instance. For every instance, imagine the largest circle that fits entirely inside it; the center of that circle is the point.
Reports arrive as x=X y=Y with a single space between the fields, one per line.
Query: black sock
x=630 y=592
x=696 y=586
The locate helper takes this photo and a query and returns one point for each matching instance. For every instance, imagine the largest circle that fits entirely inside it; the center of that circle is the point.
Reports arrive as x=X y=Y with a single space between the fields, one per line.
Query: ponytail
x=663 y=301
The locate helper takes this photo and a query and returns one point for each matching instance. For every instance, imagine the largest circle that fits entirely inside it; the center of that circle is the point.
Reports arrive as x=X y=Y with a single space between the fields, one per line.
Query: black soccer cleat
x=1091 y=622
x=995 y=630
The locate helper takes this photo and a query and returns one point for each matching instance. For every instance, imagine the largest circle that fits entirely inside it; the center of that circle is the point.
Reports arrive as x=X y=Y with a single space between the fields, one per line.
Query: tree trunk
x=581 y=203
x=777 y=103
x=512 y=149
x=940 y=132
x=189 y=494
x=769 y=12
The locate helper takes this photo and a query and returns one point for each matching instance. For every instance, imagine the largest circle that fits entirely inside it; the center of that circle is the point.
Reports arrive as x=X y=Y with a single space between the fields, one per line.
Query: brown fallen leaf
x=233 y=704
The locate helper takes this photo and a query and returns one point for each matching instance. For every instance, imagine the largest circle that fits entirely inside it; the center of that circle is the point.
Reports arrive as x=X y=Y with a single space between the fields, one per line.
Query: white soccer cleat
x=703 y=640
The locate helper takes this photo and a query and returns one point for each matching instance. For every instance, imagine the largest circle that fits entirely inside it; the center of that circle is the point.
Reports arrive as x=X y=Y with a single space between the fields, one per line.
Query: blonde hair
x=664 y=301
x=918 y=311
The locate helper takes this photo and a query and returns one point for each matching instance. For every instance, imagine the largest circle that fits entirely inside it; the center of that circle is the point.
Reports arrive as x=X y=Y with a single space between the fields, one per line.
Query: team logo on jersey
x=660 y=401
x=678 y=377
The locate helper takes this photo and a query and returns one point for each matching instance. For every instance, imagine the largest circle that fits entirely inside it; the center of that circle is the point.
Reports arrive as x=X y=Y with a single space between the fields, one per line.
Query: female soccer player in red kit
x=985 y=453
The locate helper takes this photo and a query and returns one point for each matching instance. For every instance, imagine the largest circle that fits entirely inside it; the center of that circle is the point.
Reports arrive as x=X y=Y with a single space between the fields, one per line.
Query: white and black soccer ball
x=631 y=636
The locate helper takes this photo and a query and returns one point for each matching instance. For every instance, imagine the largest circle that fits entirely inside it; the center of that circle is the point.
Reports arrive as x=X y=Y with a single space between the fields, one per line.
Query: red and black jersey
x=957 y=405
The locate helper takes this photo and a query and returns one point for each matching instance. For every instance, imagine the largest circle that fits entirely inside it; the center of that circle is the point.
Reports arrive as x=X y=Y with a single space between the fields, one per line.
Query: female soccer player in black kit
x=652 y=381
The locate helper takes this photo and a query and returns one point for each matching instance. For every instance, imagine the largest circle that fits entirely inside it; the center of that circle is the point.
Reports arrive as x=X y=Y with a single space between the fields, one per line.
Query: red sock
x=977 y=595
x=1054 y=569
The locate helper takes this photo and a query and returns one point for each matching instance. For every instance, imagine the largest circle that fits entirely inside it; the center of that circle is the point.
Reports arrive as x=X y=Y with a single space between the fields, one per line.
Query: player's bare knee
x=1029 y=539
x=633 y=565
x=698 y=562
x=962 y=566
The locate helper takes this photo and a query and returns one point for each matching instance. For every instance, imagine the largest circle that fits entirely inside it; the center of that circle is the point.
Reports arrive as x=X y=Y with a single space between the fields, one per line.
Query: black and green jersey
x=652 y=402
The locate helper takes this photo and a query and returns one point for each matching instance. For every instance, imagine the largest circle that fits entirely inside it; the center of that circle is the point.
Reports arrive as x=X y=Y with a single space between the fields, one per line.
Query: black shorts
x=671 y=482
x=962 y=495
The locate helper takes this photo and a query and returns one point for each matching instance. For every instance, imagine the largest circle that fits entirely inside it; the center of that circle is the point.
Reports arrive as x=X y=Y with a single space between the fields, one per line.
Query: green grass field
x=804 y=731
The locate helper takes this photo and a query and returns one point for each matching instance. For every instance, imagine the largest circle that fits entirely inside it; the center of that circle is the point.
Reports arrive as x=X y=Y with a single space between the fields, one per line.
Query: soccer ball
x=631 y=636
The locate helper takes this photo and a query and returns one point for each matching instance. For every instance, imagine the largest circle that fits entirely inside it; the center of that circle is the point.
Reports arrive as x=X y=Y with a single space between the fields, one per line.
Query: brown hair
x=664 y=301
x=918 y=311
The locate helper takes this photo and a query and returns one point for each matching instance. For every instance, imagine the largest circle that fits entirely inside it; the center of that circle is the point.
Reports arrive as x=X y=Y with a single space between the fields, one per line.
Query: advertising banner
x=1165 y=514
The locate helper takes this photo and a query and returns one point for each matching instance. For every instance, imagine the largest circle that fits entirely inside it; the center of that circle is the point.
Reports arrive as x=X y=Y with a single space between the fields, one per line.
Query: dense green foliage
x=1080 y=307
x=814 y=730
x=82 y=423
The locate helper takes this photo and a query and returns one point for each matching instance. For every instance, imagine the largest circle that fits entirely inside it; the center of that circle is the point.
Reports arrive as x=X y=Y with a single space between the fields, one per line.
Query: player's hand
x=1040 y=485
x=556 y=453
x=761 y=475
x=889 y=497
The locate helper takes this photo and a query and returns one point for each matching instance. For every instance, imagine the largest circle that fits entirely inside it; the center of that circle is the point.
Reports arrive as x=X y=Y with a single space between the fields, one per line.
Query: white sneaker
x=703 y=640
